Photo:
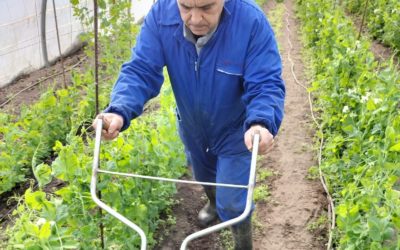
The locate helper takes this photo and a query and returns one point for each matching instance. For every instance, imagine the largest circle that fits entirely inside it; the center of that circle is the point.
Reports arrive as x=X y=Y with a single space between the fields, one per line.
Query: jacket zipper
x=196 y=69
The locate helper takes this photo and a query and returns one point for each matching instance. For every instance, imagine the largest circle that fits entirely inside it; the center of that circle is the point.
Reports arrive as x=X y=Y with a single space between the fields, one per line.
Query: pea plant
x=27 y=139
x=68 y=215
x=382 y=18
x=361 y=125
x=66 y=218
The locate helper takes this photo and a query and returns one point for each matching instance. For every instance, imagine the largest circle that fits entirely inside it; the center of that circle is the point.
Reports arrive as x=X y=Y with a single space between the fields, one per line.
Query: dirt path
x=296 y=202
x=191 y=200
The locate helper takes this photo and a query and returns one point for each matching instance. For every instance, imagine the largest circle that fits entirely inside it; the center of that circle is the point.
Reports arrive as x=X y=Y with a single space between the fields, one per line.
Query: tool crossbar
x=173 y=180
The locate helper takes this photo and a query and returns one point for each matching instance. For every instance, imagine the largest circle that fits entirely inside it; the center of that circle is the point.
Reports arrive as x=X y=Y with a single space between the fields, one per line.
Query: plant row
x=359 y=109
x=27 y=139
x=382 y=18
x=67 y=218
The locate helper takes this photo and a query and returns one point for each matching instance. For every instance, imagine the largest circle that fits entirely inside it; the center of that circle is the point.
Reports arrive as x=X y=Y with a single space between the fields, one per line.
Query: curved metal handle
x=93 y=183
x=246 y=212
x=244 y=215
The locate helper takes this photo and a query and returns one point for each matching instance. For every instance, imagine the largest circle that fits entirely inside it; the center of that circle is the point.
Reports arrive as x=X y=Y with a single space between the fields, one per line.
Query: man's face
x=200 y=16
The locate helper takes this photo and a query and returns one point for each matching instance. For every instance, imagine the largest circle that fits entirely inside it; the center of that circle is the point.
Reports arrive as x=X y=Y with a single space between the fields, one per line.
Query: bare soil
x=190 y=201
x=296 y=202
x=40 y=81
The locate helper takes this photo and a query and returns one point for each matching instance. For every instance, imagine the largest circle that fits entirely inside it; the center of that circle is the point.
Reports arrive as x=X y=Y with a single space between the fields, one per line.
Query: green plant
x=263 y=174
x=147 y=147
x=68 y=218
x=313 y=173
x=382 y=18
x=261 y=193
x=319 y=224
x=361 y=126
x=35 y=130
x=226 y=239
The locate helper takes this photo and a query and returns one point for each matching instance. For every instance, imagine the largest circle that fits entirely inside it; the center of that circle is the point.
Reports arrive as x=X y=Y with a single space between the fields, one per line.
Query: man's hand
x=112 y=124
x=266 y=139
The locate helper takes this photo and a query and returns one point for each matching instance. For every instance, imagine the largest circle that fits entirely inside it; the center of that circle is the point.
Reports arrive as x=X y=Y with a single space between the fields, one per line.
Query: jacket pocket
x=233 y=70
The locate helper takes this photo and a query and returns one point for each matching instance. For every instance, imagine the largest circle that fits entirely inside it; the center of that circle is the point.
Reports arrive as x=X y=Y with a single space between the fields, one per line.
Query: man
x=225 y=72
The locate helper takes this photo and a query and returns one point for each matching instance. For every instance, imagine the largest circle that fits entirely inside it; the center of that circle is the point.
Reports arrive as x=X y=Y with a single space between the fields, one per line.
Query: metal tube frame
x=209 y=230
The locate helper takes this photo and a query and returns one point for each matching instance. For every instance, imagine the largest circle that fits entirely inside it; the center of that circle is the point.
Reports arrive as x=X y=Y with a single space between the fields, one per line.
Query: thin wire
x=362 y=20
x=96 y=76
x=96 y=56
x=331 y=206
x=174 y=180
x=59 y=45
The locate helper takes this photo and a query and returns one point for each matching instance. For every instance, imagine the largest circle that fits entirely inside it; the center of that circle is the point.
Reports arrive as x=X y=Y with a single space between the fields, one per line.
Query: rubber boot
x=242 y=235
x=208 y=214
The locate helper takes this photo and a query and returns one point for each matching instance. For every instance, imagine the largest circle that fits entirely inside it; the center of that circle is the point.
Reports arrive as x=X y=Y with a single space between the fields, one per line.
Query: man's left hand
x=266 y=139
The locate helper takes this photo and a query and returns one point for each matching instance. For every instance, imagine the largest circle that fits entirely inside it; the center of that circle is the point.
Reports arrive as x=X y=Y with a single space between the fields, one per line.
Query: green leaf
x=65 y=166
x=35 y=200
x=395 y=148
x=102 y=4
x=19 y=246
x=45 y=231
x=375 y=246
x=374 y=229
x=43 y=174
x=341 y=210
x=371 y=105
x=35 y=247
x=66 y=193
x=377 y=228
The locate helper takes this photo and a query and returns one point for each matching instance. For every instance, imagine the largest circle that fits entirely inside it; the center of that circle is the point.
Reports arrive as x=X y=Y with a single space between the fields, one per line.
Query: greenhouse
x=200 y=124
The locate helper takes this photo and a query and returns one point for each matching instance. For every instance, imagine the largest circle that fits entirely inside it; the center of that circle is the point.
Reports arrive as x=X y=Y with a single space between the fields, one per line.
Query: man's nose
x=196 y=17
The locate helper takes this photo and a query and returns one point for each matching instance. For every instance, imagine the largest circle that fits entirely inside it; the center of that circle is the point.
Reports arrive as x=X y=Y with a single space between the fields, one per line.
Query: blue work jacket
x=233 y=83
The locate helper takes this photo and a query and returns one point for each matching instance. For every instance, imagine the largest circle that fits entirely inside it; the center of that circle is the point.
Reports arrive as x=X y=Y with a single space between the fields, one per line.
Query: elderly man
x=225 y=72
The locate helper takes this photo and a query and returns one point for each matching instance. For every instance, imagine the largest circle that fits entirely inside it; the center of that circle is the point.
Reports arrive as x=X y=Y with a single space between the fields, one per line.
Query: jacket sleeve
x=264 y=89
x=140 y=79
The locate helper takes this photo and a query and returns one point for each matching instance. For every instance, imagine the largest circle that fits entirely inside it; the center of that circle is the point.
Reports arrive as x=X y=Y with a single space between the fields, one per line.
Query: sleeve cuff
x=118 y=111
x=263 y=122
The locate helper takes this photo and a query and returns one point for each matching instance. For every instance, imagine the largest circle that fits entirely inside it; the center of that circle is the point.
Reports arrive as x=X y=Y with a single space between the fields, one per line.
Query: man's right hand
x=112 y=124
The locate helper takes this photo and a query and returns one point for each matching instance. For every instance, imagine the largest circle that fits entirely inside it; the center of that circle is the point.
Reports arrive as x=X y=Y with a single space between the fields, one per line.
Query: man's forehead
x=199 y=3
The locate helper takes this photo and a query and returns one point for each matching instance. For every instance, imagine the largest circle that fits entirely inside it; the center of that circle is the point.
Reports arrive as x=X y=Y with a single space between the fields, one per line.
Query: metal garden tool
x=206 y=231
